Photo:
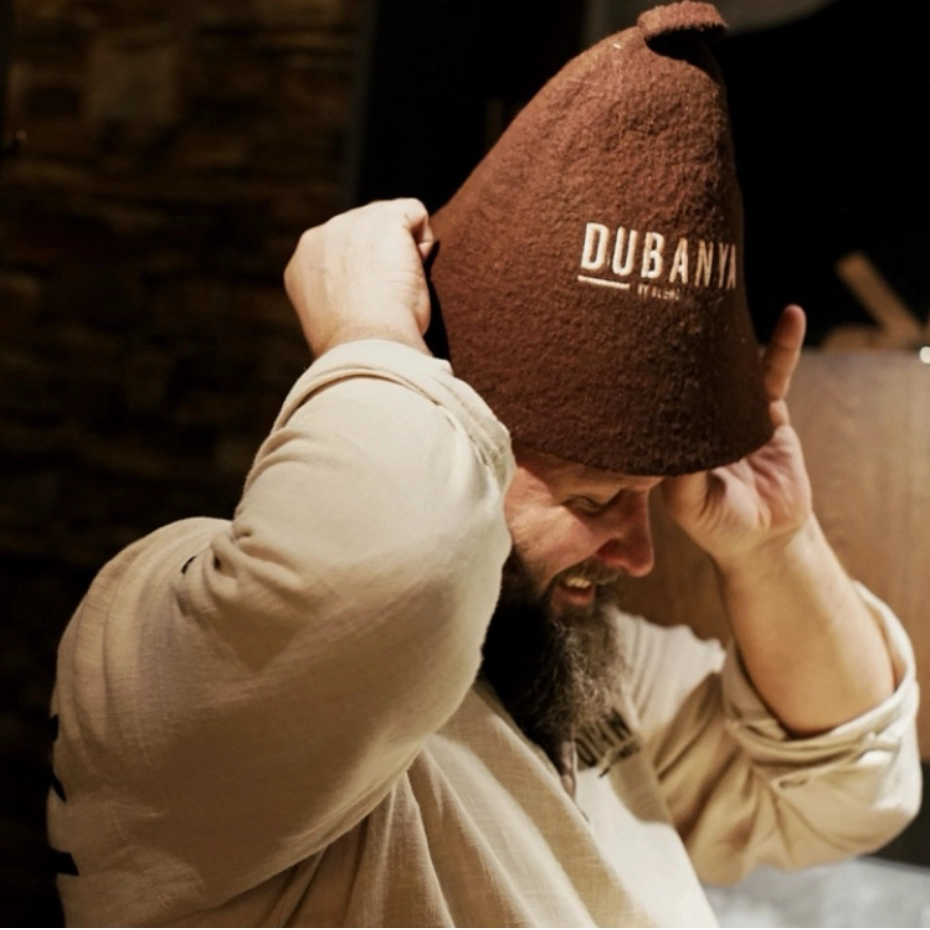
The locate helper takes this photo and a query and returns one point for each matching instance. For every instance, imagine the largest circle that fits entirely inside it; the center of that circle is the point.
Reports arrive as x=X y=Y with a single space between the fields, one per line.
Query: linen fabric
x=274 y=720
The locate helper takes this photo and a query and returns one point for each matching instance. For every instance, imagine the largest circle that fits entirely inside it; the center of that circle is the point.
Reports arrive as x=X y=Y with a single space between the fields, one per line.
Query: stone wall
x=175 y=152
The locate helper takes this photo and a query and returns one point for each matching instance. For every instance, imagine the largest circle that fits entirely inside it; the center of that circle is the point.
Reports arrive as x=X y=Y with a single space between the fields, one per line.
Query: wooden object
x=864 y=420
x=898 y=327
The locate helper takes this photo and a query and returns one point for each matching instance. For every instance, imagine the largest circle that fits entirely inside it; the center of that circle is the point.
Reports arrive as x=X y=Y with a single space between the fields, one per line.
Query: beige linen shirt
x=275 y=721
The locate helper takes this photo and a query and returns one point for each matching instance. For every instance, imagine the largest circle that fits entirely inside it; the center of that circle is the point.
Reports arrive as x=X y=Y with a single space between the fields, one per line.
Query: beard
x=555 y=669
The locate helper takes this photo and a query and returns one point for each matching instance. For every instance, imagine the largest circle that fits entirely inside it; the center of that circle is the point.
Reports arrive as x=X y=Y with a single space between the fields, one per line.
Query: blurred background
x=162 y=158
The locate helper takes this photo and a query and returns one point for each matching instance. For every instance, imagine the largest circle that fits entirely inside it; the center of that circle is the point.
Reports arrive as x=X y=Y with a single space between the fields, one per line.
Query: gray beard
x=555 y=671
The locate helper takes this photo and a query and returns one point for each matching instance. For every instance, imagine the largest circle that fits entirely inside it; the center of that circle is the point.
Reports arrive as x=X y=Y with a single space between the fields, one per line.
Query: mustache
x=590 y=570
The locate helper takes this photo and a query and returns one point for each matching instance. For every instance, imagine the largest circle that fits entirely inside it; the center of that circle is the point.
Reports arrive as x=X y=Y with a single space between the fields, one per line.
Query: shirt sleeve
x=740 y=789
x=235 y=695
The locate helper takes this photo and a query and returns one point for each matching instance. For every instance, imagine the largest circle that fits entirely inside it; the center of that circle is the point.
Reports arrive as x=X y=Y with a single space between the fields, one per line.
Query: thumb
x=686 y=494
x=425 y=239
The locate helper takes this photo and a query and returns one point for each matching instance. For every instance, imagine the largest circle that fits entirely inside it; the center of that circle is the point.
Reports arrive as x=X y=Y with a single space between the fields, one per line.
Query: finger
x=778 y=411
x=380 y=215
x=416 y=219
x=425 y=240
x=412 y=216
x=412 y=211
x=781 y=357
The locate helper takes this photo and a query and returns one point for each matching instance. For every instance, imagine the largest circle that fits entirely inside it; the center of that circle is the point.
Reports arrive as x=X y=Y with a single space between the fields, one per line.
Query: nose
x=628 y=542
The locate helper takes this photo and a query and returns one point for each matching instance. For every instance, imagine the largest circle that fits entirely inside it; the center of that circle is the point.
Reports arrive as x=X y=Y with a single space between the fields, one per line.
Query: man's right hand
x=360 y=276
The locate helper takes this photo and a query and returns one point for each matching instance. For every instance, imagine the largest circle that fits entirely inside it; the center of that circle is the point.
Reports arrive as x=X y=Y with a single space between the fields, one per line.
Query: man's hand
x=360 y=276
x=812 y=649
x=765 y=498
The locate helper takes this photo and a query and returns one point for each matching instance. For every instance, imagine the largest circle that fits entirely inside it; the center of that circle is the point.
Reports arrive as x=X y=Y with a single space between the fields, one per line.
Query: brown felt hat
x=589 y=272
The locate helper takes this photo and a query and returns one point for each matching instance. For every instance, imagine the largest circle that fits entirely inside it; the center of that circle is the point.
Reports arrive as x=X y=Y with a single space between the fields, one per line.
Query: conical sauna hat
x=589 y=272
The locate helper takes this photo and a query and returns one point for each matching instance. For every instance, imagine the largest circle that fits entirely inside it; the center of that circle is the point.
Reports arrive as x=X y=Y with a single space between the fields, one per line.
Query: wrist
x=408 y=336
x=775 y=557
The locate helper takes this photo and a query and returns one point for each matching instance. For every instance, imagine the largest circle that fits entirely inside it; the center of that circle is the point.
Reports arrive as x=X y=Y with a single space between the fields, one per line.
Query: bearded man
x=395 y=690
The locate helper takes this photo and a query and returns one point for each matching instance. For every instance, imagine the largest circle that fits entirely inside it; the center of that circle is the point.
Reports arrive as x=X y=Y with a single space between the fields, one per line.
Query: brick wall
x=175 y=152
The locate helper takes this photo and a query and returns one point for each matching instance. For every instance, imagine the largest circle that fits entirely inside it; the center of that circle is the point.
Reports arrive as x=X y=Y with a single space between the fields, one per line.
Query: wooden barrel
x=864 y=420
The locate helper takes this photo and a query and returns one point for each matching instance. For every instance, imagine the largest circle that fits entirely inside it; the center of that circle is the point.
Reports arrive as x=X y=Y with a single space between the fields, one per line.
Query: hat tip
x=701 y=20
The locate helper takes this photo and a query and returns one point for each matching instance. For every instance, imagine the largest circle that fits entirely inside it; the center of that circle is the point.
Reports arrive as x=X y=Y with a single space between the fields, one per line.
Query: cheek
x=549 y=541
x=547 y=536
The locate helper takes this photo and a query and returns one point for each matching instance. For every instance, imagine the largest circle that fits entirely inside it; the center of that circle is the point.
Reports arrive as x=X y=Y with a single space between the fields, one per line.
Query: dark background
x=829 y=117
x=176 y=151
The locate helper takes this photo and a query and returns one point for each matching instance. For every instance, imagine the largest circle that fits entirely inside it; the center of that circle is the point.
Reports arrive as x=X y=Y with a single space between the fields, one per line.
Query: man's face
x=577 y=528
x=550 y=652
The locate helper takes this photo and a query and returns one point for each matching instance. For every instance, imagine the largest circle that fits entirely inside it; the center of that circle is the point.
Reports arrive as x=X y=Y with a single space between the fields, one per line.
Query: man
x=280 y=719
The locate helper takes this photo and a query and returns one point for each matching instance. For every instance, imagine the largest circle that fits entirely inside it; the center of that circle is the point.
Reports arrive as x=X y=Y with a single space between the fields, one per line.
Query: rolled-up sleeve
x=742 y=791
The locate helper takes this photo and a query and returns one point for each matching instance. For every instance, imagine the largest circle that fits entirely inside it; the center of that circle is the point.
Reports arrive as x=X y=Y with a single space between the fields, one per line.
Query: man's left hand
x=739 y=510
x=813 y=650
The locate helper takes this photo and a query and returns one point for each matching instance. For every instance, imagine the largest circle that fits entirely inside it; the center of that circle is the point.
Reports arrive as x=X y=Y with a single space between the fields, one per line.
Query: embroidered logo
x=627 y=258
x=607 y=742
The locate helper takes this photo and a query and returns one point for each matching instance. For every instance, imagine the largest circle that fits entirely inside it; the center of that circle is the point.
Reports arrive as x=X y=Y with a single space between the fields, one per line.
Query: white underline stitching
x=620 y=285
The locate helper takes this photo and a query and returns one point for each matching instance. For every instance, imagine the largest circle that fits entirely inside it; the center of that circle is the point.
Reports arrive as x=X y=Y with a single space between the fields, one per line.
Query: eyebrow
x=591 y=486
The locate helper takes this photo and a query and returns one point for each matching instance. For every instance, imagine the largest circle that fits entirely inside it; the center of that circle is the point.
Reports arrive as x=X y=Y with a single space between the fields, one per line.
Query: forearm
x=808 y=642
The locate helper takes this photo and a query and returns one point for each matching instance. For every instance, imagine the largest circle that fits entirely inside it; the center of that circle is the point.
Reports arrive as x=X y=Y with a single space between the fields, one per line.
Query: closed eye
x=588 y=505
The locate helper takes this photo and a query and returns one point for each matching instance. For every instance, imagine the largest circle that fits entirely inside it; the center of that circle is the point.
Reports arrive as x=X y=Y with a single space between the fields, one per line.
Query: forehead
x=561 y=472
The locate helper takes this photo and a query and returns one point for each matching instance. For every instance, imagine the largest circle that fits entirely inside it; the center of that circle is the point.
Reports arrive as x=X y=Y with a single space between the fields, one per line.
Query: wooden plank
x=864 y=420
x=880 y=300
